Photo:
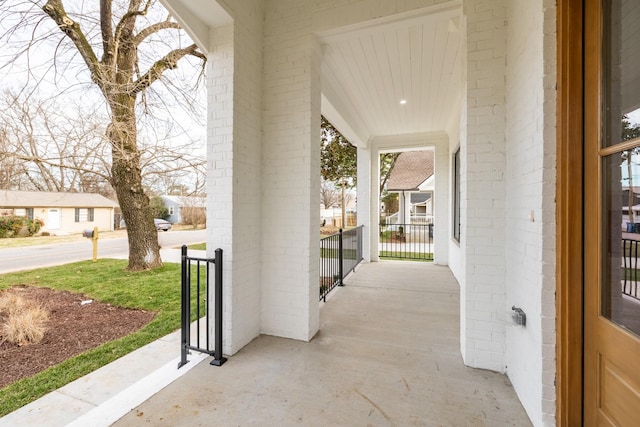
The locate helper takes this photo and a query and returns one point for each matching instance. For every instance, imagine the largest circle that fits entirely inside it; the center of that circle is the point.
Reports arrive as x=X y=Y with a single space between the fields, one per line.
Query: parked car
x=161 y=224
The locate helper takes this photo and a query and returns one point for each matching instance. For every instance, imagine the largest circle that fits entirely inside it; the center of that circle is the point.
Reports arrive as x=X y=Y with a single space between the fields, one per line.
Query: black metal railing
x=195 y=304
x=406 y=241
x=339 y=255
x=631 y=275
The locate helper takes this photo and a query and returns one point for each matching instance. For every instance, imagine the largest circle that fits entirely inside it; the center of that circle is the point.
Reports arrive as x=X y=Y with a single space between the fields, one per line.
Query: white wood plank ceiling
x=369 y=68
x=368 y=72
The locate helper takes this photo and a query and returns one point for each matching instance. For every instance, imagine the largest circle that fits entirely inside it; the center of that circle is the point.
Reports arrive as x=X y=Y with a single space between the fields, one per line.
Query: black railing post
x=218 y=359
x=184 y=307
x=340 y=259
x=360 y=234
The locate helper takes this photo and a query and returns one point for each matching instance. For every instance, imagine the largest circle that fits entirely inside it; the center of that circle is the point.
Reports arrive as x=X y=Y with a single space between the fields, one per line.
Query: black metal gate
x=198 y=270
x=406 y=241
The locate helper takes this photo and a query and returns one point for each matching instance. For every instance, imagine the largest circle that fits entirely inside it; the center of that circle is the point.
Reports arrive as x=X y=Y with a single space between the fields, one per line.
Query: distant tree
x=158 y=208
x=391 y=203
x=387 y=162
x=338 y=160
x=192 y=211
x=53 y=146
x=328 y=194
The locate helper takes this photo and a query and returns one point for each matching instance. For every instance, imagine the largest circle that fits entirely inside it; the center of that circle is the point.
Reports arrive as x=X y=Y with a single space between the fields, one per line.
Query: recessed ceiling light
x=403 y=101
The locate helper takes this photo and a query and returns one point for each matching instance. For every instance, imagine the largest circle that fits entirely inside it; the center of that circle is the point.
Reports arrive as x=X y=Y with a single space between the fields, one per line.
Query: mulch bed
x=72 y=328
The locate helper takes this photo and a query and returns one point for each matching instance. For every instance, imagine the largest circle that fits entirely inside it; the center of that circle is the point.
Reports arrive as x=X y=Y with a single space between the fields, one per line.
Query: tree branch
x=146 y=32
x=126 y=24
x=56 y=11
x=168 y=62
x=40 y=162
x=106 y=28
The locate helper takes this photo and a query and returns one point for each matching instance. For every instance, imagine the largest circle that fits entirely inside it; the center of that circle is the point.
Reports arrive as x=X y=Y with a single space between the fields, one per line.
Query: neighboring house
x=62 y=213
x=521 y=102
x=180 y=207
x=625 y=195
x=413 y=179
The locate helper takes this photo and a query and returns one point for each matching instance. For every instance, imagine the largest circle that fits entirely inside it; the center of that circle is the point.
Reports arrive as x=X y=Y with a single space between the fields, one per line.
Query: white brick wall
x=483 y=183
x=290 y=178
x=368 y=212
x=234 y=164
x=530 y=191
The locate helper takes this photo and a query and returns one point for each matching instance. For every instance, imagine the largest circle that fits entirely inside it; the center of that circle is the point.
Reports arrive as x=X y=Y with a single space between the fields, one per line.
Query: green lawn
x=632 y=274
x=107 y=281
x=334 y=253
x=391 y=255
x=198 y=247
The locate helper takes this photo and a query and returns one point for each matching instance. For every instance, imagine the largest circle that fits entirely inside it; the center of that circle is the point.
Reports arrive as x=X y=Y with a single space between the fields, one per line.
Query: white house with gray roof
x=62 y=213
x=176 y=204
x=413 y=179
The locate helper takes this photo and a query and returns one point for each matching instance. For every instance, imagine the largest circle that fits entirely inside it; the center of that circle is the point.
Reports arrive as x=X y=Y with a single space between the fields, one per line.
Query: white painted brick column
x=441 y=202
x=291 y=174
x=367 y=216
x=483 y=295
x=234 y=167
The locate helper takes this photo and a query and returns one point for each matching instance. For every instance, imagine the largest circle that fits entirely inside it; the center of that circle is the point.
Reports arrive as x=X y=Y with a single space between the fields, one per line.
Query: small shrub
x=193 y=215
x=10 y=303
x=12 y=226
x=25 y=327
x=34 y=226
x=24 y=322
x=158 y=208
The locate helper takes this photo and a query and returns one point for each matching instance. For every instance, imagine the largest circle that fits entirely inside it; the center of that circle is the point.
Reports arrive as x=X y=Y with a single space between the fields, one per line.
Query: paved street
x=29 y=257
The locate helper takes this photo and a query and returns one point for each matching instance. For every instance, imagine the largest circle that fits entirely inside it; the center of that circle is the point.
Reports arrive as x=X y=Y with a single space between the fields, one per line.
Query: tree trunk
x=144 y=250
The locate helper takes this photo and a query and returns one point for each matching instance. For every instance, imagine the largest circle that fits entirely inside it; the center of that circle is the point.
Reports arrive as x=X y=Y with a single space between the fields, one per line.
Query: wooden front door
x=611 y=259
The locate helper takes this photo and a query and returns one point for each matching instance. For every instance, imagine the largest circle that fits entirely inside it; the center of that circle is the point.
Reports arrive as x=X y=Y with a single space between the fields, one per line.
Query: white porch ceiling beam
x=197 y=17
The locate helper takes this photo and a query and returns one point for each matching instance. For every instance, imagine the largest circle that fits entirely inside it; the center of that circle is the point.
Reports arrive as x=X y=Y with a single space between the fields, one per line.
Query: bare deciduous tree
x=329 y=196
x=193 y=211
x=56 y=147
x=110 y=42
x=47 y=146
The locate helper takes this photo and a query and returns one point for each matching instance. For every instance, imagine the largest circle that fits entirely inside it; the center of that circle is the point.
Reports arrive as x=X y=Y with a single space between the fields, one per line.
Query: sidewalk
x=103 y=396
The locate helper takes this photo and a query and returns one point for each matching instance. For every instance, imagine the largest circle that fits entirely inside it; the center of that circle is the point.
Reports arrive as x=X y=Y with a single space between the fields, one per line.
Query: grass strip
x=398 y=256
x=106 y=281
x=198 y=247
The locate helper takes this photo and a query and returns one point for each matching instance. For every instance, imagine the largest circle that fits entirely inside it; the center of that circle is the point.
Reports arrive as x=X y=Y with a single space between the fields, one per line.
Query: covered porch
x=472 y=80
x=387 y=353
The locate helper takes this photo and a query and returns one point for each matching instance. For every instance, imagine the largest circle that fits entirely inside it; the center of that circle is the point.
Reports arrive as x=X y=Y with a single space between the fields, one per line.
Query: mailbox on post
x=93 y=235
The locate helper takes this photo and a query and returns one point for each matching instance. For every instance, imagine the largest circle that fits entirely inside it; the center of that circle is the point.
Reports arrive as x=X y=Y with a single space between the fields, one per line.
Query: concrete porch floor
x=387 y=354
